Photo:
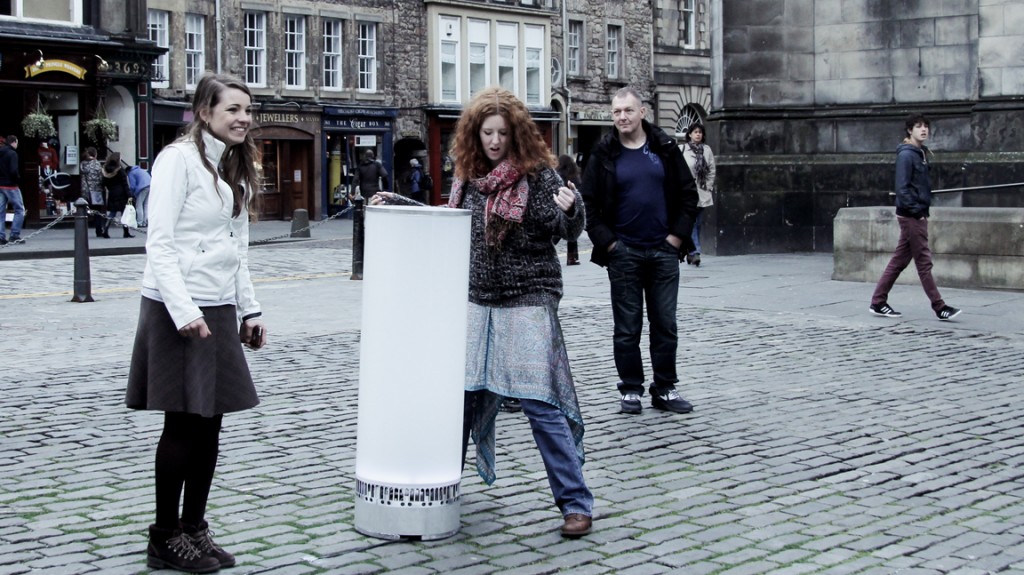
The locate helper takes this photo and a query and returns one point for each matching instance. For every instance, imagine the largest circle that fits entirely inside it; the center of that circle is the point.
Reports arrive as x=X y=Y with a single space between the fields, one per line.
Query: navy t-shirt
x=641 y=217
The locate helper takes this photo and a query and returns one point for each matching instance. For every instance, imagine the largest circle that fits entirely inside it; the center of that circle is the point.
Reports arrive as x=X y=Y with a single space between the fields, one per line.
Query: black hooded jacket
x=600 y=194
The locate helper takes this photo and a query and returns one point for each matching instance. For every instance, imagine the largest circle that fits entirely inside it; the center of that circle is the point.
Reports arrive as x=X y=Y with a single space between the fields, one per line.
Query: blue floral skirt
x=517 y=352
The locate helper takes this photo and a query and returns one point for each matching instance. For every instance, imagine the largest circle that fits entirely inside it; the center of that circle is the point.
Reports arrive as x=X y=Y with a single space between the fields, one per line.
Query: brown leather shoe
x=576 y=525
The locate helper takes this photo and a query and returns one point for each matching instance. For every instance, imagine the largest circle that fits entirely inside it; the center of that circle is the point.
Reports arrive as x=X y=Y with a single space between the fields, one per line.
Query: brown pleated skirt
x=186 y=374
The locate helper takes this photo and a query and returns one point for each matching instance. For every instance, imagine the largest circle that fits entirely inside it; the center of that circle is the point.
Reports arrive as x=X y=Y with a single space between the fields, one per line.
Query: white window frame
x=195 y=48
x=534 y=62
x=574 y=43
x=158 y=23
x=254 y=44
x=332 y=54
x=508 y=52
x=75 y=12
x=613 y=51
x=479 y=32
x=450 y=58
x=688 y=21
x=294 y=52
x=367 y=57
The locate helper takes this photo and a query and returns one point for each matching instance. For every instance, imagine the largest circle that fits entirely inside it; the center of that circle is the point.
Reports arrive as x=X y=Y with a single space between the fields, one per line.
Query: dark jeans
x=912 y=245
x=640 y=276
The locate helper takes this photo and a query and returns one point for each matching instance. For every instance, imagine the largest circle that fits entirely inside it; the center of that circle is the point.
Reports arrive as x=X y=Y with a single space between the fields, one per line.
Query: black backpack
x=426 y=183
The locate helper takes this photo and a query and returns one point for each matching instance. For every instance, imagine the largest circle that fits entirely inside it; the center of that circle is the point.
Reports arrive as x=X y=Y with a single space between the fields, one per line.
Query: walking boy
x=913 y=198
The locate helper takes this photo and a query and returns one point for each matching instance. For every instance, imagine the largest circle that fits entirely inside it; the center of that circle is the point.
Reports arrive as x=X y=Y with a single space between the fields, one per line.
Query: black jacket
x=599 y=191
x=371 y=178
x=9 y=175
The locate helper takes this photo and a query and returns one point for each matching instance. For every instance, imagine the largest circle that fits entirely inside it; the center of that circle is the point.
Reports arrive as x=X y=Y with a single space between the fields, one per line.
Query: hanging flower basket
x=101 y=130
x=38 y=125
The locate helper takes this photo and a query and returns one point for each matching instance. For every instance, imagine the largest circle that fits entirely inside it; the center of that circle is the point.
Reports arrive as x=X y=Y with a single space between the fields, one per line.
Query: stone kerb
x=971 y=247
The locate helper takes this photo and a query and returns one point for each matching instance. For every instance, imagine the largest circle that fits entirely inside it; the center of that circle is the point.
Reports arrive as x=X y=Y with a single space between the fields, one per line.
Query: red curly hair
x=528 y=151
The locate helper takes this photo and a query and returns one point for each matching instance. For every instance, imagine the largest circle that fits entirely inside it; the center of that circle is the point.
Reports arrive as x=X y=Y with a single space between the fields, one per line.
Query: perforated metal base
x=407 y=511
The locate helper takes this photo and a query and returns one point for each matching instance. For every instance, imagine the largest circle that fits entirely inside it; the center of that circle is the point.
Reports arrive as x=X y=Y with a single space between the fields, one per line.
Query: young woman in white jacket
x=702 y=165
x=198 y=308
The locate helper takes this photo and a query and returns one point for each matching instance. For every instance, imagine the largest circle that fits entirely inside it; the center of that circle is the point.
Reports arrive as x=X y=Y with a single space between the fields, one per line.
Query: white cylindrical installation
x=412 y=365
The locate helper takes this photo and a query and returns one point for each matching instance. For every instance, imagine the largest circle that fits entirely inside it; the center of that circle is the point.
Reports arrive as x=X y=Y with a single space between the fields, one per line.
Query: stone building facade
x=603 y=46
x=809 y=99
x=76 y=61
x=682 y=63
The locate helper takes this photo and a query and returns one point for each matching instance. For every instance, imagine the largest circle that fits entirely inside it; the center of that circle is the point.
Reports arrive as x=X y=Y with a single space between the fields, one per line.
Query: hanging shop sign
x=62 y=66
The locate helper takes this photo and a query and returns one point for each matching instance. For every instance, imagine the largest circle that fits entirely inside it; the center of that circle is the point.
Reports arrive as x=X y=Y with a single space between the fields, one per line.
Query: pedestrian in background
x=570 y=172
x=701 y=161
x=198 y=307
x=913 y=200
x=370 y=177
x=116 y=193
x=504 y=175
x=139 y=181
x=92 y=187
x=415 y=192
x=10 y=192
x=641 y=202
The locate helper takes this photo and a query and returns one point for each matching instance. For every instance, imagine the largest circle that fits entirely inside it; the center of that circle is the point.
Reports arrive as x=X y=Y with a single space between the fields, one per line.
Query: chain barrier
x=117 y=221
x=309 y=227
x=25 y=239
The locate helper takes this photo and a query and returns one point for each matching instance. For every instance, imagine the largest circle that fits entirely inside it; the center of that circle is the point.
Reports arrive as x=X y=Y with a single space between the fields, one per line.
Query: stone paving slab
x=824 y=440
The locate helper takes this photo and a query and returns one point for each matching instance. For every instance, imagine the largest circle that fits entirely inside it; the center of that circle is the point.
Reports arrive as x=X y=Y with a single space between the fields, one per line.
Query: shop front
x=289 y=143
x=52 y=93
x=348 y=134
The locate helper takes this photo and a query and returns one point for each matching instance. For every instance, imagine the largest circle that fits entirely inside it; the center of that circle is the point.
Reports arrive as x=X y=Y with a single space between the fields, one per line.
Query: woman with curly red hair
x=504 y=174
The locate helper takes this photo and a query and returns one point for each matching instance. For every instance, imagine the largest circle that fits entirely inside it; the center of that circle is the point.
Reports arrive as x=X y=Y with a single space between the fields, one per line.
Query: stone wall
x=971 y=248
x=809 y=107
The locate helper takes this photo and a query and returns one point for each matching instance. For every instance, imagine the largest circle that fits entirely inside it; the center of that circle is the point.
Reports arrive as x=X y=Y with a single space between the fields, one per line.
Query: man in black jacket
x=371 y=177
x=10 y=178
x=641 y=201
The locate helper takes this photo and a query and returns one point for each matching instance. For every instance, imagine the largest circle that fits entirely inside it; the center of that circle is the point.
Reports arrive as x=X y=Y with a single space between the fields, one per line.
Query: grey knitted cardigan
x=524 y=269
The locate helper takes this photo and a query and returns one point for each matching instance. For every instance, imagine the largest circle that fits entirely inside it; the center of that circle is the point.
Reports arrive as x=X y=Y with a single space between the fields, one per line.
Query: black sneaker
x=3 y=241
x=670 y=401
x=631 y=403
x=947 y=313
x=17 y=241
x=884 y=310
x=510 y=405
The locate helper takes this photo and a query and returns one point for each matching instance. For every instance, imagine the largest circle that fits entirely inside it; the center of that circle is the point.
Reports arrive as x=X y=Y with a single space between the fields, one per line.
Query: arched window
x=689 y=115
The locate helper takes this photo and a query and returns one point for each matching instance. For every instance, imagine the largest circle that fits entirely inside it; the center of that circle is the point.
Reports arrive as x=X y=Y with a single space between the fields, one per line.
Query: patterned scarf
x=700 y=164
x=507 y=191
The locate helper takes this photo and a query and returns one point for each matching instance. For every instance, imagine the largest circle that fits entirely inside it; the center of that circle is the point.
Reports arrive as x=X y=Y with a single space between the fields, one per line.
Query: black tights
x=186 y=458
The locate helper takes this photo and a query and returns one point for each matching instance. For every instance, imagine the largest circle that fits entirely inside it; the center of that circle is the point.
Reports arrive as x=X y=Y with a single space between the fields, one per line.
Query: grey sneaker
x=947 y=313
x=631 y=403
x=884 y=310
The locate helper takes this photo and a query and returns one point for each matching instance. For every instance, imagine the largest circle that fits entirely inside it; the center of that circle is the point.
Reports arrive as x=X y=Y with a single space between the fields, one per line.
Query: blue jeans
x=640 y=275
x=557 y=450
x=140 y=206
x=695 y=236
x=12 y=195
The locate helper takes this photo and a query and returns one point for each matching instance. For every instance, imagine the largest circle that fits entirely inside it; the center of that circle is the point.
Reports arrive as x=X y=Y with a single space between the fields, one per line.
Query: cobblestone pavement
x=824 y=440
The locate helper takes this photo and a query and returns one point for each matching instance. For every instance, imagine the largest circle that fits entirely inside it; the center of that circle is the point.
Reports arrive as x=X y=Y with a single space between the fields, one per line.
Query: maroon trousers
x=913 y=245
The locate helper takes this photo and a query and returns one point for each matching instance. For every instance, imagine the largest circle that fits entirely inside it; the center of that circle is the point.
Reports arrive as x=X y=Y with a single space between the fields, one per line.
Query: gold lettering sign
x=279 y=118
x=56 y=66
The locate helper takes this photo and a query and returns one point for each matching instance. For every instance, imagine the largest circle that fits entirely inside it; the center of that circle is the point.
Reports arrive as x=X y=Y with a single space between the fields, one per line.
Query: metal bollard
x=300 y=224
x=83 y=283
x=357 y=237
